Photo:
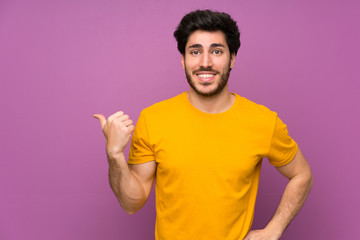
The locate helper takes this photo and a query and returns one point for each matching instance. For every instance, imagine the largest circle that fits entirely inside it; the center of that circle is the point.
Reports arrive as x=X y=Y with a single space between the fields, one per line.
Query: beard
x=224 y=77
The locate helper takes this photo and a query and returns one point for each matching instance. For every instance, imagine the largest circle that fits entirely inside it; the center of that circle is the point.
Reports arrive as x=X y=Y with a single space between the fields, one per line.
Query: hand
x=117 y=130
x=262 y=234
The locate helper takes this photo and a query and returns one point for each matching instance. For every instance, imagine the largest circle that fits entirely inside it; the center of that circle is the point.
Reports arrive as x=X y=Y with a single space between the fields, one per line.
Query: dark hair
x=211 y=21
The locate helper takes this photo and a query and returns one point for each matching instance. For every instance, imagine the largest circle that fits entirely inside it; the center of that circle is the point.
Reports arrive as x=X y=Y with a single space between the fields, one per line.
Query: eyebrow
x=214 y=45
x=196 y=46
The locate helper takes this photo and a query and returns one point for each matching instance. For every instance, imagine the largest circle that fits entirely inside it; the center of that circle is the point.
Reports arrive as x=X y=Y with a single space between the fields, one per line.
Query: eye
x=195 y=52
x=217 y=52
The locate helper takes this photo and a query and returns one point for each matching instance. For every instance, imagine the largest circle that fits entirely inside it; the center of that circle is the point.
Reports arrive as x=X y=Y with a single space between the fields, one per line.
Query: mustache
x=205 y=69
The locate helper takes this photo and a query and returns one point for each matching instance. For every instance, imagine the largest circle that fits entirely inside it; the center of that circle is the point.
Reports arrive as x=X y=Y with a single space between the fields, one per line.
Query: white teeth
x=206 y=75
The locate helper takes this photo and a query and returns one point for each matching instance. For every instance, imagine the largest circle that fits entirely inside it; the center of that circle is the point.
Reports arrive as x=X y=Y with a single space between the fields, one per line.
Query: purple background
x=62 y=61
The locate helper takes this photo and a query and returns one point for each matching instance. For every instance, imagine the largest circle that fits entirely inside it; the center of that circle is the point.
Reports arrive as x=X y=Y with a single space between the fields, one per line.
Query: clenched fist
x=117 y=130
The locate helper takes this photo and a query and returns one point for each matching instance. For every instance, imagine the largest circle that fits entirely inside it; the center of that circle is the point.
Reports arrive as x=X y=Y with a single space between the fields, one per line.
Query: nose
x=206 y=60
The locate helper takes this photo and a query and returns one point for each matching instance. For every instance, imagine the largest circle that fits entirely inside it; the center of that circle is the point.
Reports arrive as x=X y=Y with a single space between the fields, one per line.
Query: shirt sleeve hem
x=289 y=159
x=139 y=161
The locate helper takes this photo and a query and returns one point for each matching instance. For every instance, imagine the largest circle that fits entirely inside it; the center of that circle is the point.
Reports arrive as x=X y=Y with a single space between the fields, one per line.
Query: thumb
x=101 y=118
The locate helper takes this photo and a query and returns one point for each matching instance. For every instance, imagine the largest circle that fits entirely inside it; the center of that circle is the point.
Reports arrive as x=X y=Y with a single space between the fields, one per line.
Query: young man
x=205 y=146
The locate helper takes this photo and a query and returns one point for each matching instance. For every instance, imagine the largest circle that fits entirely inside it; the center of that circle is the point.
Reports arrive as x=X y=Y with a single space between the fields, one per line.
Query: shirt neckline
x=212 y=115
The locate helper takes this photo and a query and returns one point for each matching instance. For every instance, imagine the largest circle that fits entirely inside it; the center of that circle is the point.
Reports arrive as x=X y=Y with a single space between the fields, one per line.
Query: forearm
x=127 y=188
x=291 y=202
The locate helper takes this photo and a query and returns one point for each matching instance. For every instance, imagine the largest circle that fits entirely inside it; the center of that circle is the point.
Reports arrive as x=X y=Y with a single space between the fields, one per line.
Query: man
x=204 y=147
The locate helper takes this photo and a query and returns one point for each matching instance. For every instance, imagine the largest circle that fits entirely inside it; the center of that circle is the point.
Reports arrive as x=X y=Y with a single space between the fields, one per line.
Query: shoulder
x=258 y=118
x=164 y=107
x=254 y=109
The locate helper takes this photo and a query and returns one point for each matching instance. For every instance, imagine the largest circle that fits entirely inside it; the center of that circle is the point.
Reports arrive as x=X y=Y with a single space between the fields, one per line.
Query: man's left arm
x=300 y=178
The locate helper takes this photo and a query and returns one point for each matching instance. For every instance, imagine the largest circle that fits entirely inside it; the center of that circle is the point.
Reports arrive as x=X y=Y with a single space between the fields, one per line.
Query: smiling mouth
x=205 y=77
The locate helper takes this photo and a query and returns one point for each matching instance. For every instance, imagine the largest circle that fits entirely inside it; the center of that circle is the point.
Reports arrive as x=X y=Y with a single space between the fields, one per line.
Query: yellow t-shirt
x=208 y=165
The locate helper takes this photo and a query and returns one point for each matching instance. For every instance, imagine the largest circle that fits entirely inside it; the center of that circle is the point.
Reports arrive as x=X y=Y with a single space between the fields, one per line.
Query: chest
x=209 y=151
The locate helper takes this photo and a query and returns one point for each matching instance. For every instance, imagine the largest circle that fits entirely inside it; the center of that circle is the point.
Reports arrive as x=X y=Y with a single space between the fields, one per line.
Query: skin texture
x=130 y=183
x=300 y=181
x=205 y=53
x=208 y=50
x=207 y=57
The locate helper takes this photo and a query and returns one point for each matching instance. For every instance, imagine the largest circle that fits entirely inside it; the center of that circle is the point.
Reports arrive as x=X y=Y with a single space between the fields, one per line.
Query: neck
x=214 y=104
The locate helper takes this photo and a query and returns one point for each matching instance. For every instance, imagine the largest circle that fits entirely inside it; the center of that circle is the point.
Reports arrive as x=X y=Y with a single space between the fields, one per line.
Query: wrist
x=115 y=158
x=114 y=153
x=274 y=231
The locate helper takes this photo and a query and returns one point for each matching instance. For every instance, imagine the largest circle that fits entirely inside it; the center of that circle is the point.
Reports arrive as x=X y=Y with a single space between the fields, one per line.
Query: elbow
x=311 y=181
x=307 y=178
x=308 y=181
x=130 y=212
x=310 y=178
x=133 y=208
x=304 y=181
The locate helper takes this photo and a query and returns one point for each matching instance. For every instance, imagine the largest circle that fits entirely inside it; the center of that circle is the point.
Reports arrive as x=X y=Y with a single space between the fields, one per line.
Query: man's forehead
x=206 y=39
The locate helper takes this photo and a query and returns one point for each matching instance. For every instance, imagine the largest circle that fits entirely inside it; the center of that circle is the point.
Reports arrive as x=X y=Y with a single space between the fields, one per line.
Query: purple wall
x=62 y=61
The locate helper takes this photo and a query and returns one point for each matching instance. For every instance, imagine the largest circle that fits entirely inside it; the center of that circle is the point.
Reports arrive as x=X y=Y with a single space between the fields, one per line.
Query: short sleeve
x=140 y=150
x=282 y=147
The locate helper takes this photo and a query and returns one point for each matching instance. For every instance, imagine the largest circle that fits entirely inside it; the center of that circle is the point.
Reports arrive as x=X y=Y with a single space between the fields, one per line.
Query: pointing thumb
x=101 y=118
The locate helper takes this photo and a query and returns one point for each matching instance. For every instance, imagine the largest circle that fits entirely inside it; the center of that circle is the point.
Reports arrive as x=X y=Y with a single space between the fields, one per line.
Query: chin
x=208 y=92
x=208 y=89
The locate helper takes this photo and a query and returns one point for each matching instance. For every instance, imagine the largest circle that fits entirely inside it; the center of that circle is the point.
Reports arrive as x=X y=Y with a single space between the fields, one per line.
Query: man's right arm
x=130 y=183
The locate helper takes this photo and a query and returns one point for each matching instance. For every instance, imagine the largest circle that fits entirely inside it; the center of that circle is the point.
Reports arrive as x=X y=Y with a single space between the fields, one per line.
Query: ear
x=232 y=60
x=183 y=61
